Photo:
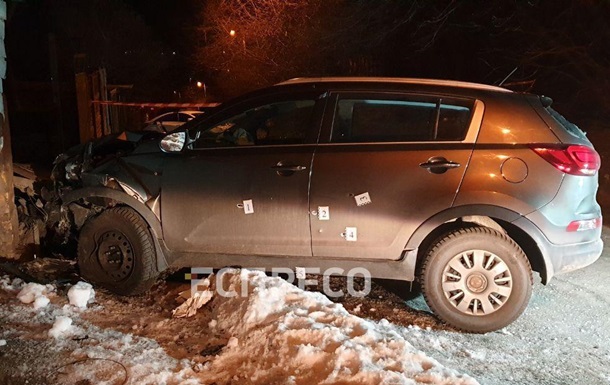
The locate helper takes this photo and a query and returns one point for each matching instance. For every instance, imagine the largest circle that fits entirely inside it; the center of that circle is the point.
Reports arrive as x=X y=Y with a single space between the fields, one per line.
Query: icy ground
x=279 y=334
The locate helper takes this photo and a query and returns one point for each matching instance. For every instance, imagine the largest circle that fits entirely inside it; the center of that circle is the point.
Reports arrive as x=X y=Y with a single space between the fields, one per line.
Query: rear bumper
x=562 y=258
x=566 y=258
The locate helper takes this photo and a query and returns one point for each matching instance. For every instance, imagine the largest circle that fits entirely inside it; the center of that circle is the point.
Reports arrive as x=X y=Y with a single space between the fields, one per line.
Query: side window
x=182 y=117
x=400 y=120
x=275 y=123
x=172 y=117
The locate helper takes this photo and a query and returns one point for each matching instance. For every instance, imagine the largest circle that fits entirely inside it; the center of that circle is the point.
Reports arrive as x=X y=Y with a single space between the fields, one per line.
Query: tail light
x=586 y=224
x=571 y=159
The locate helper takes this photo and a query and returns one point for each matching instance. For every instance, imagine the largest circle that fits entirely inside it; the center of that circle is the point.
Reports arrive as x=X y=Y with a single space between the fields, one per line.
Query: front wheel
x=116 y=251
x=476 y=279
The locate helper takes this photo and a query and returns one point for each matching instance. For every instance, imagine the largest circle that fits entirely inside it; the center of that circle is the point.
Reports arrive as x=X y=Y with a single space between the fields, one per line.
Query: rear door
x=243 y=187
x=391 y=161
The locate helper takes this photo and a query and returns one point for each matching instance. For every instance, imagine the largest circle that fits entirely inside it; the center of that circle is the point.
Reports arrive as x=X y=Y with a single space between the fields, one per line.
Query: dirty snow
x=57 y=346
x=562 y=338
x=35 y=293
x=41 y=301
x=8 y=284
x=194 y=302
x=81 y=294
x=282 y=334
x=61 y=327
x=276 y=334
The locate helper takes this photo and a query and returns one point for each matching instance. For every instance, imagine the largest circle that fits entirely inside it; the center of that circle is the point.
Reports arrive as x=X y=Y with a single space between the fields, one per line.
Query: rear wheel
x=116 y=251
x=476 y=279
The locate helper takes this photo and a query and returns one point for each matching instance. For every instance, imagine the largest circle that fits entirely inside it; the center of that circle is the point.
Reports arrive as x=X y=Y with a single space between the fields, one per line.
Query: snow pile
x=61 y=327
x=81 y=294
x=36 y=293
x=282 y=334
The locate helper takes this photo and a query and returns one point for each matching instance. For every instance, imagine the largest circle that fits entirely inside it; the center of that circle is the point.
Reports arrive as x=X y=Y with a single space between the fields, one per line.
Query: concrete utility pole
x=8 y=213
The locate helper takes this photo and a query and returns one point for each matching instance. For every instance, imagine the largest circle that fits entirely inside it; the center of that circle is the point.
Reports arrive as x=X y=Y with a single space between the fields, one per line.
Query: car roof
x=188 y=112
x=432 y=82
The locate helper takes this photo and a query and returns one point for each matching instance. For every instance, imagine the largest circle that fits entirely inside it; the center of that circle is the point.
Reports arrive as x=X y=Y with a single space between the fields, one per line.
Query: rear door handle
x=288 y=168
x=438 y=165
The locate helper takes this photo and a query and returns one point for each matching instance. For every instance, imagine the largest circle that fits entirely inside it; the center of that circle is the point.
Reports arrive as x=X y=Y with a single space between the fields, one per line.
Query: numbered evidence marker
x=248 y=206
x=351 y=234
x=323 y=213
x=363 y=199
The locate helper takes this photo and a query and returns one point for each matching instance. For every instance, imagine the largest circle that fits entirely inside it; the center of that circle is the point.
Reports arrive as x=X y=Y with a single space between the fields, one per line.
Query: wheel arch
x=526 y=234
x=90 y=194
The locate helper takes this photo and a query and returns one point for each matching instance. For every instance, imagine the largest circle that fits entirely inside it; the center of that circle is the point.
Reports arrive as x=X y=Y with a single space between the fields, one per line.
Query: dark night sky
x=466 y=41
x=562 y=44
x=171 y=21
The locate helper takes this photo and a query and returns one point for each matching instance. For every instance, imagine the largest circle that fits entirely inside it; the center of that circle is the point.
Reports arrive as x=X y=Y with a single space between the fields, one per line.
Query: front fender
x=119 y=196
x=122 y=198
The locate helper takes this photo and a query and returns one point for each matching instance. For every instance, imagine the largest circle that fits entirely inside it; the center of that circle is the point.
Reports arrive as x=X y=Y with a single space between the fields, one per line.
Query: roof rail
x=433 y=82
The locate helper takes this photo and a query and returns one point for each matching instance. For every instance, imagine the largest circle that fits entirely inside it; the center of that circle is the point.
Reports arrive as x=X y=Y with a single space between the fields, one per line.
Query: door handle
x=284 y=169
x=288 y=168
x=439 y=165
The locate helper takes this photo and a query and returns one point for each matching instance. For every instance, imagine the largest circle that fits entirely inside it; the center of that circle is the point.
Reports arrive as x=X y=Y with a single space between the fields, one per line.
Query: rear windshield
x=566 y=124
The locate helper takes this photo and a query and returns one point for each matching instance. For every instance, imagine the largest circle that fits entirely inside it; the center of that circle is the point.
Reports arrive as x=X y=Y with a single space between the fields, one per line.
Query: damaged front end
x=127 y=163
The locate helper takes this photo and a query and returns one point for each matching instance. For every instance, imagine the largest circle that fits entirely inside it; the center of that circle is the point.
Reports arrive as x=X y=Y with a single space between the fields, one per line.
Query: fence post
x=8 y=213
x=83 y=103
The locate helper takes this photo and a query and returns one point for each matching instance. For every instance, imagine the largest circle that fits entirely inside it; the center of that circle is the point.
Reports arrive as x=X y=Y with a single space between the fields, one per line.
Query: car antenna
x=508 y=76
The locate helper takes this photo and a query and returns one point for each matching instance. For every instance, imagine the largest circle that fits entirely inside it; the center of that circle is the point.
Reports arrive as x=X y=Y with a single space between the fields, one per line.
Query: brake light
x=571 y=159
x=582 y=225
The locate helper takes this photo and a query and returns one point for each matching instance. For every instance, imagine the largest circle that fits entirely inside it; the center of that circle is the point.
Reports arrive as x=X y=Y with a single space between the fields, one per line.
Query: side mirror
x=173 y=142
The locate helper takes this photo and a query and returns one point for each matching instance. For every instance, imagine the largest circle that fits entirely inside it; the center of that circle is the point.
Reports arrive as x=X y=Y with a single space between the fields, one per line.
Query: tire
x=476 y=279
x=116 y=251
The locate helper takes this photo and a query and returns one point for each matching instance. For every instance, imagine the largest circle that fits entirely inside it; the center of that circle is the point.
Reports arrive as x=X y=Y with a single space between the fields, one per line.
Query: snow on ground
x=55 y=345
x=277 y=334
x=562 y=338
x=282 y=334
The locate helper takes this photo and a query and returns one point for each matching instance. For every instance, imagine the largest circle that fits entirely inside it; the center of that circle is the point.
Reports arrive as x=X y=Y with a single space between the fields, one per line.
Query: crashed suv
x=464 y=188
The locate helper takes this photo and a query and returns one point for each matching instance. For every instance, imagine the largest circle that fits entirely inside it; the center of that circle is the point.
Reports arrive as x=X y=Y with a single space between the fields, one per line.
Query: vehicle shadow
x=398 y=302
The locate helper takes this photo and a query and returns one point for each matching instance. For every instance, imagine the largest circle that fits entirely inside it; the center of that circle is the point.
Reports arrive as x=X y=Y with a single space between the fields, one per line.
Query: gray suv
x=464 y=188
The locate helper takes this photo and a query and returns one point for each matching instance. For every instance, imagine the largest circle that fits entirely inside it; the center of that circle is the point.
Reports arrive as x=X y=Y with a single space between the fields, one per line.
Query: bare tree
x=248 y=43
x=550 y=47
x=557 y=48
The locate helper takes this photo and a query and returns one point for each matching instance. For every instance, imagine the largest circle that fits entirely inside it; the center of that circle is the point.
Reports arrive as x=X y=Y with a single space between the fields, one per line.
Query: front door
x=393 y=161
x=243 y=186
